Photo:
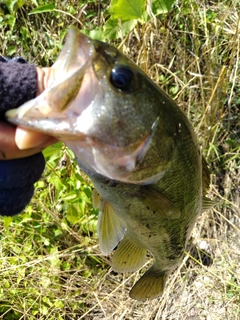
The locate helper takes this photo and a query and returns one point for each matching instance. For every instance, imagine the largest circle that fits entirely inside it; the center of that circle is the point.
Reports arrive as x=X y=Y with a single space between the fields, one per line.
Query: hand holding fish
x=18 y=142
x=28 y=141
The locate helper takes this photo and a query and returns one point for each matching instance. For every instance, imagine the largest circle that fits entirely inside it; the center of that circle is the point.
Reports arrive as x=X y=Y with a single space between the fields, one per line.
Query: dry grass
x=194 y=55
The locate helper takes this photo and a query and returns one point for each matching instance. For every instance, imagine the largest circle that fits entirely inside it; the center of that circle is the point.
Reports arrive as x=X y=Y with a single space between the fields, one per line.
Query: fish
x=137 y=147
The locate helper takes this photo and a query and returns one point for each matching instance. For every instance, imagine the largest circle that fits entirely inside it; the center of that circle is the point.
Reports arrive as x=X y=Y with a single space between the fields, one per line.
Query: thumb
x=26 y=139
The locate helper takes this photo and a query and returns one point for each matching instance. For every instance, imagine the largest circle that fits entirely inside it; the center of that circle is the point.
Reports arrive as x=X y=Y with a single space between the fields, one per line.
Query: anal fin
x=128 y=257
x=150 y=285
x=110 y=228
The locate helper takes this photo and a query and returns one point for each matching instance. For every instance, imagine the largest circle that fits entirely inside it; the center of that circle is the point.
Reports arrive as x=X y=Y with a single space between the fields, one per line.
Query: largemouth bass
x=137 y=147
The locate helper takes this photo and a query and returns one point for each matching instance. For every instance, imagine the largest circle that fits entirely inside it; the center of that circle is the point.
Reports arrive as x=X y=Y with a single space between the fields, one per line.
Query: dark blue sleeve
x=16 y=182
x=18 y=83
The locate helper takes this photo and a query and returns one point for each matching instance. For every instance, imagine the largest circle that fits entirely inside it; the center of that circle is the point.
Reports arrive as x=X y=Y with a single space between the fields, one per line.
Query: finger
x=8 y=147
x=26 y=139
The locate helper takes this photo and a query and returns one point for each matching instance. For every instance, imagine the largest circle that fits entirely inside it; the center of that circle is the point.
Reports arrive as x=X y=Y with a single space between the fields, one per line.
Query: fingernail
x=26 y=139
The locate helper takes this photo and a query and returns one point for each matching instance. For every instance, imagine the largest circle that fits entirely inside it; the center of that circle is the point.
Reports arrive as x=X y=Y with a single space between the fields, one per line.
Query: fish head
x=106 y=110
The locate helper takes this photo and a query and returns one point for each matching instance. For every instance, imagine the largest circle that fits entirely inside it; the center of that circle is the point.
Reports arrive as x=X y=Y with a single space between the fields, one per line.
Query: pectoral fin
x=110 y=228
x=158 y=203
x=150 y=285
x=128 y=257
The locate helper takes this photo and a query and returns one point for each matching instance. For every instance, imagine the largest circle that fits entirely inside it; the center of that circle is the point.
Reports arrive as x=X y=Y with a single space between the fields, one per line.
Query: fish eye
x=121 y=78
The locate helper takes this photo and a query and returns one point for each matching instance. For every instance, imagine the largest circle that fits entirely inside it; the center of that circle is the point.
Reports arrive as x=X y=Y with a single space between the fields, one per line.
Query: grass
x=51 y=266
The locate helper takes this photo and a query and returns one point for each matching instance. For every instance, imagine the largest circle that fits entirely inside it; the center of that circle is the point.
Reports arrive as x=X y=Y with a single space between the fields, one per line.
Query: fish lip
x=69 y=70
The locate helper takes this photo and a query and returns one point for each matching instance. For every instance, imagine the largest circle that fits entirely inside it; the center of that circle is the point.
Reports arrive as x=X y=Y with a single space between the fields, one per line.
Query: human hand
x=17 y=142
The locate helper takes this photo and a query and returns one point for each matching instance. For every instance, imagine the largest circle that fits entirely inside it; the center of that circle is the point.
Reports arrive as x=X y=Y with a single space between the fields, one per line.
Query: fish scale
x=136 y=146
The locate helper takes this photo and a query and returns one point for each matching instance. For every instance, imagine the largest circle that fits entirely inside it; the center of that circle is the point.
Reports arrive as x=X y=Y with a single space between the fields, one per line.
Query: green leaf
x=11 y=50
x=115 y=29
x=162 y=6
x=74 y=213
x=7 y=222
x=174 y=90
x=13 y=5
x=52 y=150
x=59 y=304
x=110 y=29
x=39 y=184
x=44 y=8
x=127 y=9
x=97 y=34
x=44 y=309
x=10 y=20
x=127 y=27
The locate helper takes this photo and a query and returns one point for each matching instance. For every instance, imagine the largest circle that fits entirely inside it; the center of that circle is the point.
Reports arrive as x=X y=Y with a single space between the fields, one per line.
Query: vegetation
x=50 y=263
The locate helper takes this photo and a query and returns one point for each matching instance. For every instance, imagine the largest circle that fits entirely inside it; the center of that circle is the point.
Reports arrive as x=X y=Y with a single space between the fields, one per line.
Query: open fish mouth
x=65 y=110
x=54 y=111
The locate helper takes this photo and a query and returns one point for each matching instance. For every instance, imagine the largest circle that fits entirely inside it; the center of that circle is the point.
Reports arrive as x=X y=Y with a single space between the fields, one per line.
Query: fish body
x=137 y=147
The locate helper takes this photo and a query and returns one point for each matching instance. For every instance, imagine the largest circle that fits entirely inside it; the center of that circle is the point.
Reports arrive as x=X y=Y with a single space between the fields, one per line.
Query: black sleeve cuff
x=18 y=84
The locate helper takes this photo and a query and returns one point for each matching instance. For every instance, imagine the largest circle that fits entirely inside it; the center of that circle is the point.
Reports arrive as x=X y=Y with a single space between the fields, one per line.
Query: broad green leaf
x=110 y=29
x=74 y=213
x=127 y=9
x=44 y=8
x=115 y=29
x=96 y=34
x=52 y=150
x=127 y=26
x=162 y=6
